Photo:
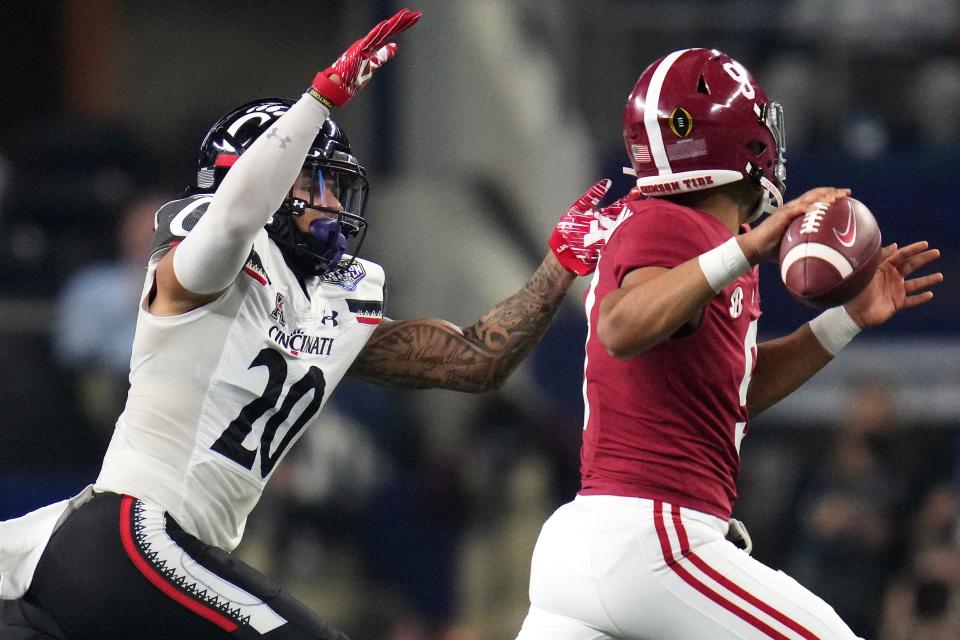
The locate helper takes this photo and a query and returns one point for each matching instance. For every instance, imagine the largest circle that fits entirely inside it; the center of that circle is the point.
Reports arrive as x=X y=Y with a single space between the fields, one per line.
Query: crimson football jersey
x=667 y=424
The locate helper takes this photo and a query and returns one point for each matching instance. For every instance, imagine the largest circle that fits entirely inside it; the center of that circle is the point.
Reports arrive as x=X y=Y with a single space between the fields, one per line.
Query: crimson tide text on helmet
x=329 y=163
x=697 y=119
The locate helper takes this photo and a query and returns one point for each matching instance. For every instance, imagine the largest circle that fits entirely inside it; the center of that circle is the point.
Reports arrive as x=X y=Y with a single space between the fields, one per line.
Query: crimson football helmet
x=328 y=163
x=697 y=119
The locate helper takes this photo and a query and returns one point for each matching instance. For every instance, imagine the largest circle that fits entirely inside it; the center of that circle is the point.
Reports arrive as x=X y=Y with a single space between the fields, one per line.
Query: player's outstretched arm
x=434 y=353
x=786 y=363
x=654 y=303
x=198 y=269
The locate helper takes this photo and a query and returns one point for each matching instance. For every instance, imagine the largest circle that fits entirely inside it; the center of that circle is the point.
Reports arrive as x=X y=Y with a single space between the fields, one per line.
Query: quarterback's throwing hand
x=582 y=231
x=339 y=82
x=762 y=242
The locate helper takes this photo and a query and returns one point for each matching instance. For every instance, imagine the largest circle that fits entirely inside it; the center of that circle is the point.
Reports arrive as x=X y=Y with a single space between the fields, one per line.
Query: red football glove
x=582 y=231
x=357 y=64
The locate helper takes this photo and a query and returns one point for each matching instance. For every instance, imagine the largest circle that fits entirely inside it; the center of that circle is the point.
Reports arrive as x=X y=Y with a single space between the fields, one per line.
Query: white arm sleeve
x=214 y=252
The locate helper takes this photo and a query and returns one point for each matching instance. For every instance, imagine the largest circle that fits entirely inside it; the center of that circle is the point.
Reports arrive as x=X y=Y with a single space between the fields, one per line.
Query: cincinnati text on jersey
x=299 y=342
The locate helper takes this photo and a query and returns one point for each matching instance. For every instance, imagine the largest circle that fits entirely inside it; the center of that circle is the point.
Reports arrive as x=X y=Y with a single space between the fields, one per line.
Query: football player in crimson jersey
x=254 y=306
x=673 y=373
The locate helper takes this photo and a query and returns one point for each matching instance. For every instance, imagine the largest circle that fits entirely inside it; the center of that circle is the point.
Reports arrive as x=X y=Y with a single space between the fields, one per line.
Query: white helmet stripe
x=651 y=109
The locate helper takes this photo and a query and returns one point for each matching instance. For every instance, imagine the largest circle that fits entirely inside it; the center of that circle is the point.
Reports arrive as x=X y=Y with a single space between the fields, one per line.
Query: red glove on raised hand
x=582 y=231
x=357 y=64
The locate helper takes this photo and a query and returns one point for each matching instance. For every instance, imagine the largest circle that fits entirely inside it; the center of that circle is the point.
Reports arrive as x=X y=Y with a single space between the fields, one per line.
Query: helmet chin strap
x=770 y=201
x=324 y=237
x=315 y=252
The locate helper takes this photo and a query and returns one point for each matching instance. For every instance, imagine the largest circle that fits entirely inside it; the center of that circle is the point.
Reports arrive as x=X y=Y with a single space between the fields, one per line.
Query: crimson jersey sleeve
x=655 y=234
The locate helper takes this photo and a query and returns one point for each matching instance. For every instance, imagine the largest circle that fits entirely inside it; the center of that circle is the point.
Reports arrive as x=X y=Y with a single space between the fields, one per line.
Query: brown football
x=830 y=253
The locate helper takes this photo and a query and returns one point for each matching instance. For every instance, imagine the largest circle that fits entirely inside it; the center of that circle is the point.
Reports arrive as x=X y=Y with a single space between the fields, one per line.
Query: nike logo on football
x=849 y=235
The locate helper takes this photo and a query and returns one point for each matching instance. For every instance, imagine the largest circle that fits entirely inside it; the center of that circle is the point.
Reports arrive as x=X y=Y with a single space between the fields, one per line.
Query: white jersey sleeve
x=212 y=255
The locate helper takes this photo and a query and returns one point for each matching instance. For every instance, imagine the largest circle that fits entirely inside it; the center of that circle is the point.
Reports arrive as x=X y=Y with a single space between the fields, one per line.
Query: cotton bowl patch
x=348 y=278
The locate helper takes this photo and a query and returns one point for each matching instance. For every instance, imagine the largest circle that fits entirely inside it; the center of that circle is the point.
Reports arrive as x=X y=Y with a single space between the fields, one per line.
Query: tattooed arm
x=421 y=354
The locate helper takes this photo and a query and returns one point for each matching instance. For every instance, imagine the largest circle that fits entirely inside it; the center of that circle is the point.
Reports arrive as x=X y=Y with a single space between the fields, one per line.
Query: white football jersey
x=219 y=394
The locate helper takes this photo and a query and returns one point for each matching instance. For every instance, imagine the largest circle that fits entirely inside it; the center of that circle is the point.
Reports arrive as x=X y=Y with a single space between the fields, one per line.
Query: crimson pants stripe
x=735 y=588
x=151 y=574
x=691 y=580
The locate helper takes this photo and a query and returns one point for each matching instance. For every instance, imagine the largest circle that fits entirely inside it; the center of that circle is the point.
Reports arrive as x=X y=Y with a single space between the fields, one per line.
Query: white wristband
x=834 y=328
x=724 y=264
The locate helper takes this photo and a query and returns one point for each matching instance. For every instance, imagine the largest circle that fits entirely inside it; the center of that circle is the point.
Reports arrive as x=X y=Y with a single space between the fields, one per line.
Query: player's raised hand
x=891 y=288
x=763 y=241
x=606 y=218
x=582 y=230
x=339 y=82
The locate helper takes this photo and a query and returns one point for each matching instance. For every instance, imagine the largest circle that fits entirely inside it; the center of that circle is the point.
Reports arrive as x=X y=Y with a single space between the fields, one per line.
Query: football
x=830 y=253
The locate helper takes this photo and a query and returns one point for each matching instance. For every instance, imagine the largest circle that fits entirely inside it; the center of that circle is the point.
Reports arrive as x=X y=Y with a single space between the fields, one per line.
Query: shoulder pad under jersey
x=176 y=219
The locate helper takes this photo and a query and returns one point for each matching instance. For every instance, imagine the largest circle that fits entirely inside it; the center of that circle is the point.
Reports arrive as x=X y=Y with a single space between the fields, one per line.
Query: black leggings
x=120 y=568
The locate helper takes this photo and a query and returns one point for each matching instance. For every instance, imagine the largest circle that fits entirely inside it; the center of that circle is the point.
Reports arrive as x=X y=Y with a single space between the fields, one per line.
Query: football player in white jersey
x=254 y=306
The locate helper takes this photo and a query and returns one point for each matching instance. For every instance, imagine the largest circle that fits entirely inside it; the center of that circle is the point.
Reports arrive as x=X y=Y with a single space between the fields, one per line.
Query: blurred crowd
x=396 y=537
x=872 y=76
x=869 y=514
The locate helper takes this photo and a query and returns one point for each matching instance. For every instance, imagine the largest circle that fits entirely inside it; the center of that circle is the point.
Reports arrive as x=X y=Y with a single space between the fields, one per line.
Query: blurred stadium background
x=412 y=515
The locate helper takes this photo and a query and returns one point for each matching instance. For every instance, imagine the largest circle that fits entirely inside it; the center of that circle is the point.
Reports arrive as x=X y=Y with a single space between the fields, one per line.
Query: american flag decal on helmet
x=366 y=311
x=641 y=153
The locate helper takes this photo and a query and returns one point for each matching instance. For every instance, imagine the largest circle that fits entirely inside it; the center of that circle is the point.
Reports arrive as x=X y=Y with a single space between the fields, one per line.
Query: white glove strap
x=724 y=264
x=834 y=328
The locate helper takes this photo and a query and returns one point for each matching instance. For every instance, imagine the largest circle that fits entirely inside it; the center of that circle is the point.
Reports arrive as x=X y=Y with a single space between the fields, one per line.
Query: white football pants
x=638 y=569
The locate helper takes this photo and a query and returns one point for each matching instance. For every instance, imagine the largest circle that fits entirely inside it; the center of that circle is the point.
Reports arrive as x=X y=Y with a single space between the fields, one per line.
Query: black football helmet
x=329 y=164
